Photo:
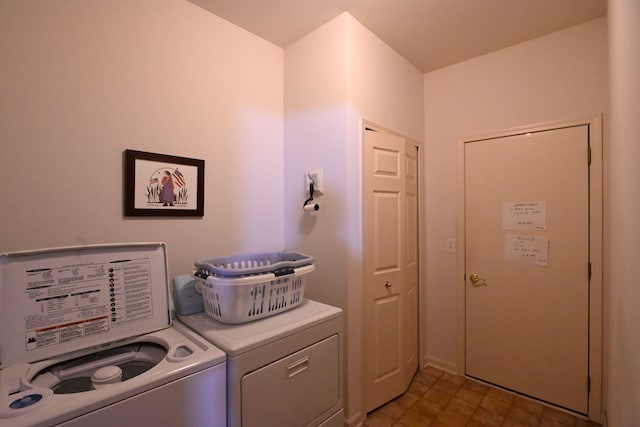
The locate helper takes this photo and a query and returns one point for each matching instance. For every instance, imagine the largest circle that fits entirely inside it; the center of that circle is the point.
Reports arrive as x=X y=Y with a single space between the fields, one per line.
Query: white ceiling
x=429 y=33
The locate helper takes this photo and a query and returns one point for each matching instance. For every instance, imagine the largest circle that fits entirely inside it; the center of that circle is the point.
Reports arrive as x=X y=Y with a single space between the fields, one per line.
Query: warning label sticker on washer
x=71 y=302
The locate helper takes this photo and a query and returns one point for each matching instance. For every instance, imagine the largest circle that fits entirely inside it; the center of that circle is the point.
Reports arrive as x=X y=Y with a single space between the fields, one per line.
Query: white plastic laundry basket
x=243 y=288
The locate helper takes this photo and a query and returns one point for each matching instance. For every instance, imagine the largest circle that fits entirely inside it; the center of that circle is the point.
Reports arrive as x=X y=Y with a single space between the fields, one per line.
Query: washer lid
x=57 y=300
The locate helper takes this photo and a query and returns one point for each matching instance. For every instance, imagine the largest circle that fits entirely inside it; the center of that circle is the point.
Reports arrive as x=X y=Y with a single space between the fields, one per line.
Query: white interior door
x=527 y=264
x=390 y=267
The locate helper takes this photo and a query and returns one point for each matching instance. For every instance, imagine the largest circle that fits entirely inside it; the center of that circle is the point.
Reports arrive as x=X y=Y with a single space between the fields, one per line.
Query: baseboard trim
x=356 y=420
x=452 y=368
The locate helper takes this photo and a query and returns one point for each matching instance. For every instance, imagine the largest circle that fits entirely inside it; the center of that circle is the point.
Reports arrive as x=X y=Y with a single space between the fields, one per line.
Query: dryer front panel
x=300 y=389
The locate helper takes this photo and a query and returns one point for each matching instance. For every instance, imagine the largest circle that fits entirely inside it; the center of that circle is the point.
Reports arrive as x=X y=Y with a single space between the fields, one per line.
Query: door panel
x=386 y=236
x=388 y=350
x=527 y=239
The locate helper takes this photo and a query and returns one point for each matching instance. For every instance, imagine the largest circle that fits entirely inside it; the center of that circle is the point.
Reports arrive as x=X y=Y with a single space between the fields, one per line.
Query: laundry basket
x=242 y=288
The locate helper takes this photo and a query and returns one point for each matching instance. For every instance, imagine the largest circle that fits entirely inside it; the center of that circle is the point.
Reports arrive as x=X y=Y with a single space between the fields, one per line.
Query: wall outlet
x=315 y=176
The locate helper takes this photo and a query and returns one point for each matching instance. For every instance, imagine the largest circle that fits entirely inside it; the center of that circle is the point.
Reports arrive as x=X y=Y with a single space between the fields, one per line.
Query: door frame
x=595 y=245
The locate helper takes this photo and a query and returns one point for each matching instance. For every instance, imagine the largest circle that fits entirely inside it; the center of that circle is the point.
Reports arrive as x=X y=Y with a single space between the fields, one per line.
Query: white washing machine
x=86 y=339
x=283 y=370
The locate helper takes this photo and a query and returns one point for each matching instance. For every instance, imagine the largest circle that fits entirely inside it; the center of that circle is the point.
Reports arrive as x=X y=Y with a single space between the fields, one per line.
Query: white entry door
x=527 y=264
x=390 y=272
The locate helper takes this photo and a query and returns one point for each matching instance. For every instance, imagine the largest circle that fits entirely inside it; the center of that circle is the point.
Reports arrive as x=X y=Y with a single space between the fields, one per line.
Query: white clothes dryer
x=283 y=370
x=86 y=338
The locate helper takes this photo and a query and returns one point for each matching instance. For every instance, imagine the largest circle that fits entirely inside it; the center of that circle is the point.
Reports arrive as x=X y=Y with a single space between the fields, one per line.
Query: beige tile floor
x=439 y=399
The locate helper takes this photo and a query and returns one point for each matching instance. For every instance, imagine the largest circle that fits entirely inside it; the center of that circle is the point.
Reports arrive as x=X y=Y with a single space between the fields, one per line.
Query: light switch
x=451 y=246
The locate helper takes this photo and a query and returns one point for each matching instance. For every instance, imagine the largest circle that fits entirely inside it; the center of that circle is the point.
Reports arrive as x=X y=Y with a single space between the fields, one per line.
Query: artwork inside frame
x=162 y=185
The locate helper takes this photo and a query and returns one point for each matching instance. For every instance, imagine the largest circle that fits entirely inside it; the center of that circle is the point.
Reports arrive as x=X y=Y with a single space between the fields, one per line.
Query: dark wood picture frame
x=155 y=186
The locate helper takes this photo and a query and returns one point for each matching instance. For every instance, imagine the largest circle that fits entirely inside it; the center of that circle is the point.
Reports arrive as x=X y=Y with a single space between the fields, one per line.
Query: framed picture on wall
x=162 y=185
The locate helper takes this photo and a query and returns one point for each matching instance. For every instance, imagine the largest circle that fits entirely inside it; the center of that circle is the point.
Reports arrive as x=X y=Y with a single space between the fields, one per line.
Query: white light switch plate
x=450 y=246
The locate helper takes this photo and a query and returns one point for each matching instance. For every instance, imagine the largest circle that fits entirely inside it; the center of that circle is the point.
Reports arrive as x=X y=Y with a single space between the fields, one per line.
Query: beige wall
x=335 y=77
x=556 y=77
x=83 y=81
x=315 y=132
x=623 y=367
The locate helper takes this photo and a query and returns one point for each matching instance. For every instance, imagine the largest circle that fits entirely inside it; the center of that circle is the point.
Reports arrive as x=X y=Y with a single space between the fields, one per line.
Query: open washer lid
x=57 y=300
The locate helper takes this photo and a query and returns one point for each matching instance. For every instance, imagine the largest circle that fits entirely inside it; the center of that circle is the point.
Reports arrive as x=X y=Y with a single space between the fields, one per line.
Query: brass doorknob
x=475 y=280
x=387 y=284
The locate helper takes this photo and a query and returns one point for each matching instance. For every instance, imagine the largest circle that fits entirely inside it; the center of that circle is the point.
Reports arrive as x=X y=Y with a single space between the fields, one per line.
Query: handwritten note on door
x=524 y=216
x=526 y=249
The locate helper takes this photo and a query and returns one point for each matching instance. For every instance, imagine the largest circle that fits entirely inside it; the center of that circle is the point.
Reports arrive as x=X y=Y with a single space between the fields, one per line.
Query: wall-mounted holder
x=308 y=205
x=313 y=180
